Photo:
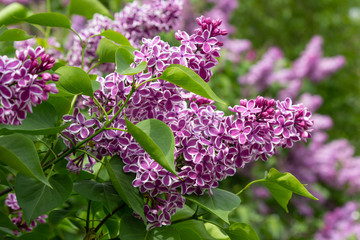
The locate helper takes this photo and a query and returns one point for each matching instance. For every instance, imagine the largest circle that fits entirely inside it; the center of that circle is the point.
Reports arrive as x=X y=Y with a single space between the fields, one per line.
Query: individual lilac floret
x=17 y=219
x=23 y=83
x=341 y=223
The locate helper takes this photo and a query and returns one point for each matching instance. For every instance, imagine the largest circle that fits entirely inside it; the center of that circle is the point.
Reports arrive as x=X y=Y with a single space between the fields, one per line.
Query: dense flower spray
x=342 y=223
x=134 y=21
x=209 y=145
x=23 y=83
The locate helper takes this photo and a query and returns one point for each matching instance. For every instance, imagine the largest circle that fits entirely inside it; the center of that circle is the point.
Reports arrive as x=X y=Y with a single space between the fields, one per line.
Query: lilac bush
x=139 y=135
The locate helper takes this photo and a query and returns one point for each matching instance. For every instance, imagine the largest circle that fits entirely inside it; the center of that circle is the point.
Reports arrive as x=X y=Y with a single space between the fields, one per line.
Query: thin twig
x=107 y=217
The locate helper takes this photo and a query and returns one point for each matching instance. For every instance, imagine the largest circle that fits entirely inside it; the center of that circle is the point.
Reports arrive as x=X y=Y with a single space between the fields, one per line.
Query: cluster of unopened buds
x=23 y=83
x=209 y=145
x=17 y=219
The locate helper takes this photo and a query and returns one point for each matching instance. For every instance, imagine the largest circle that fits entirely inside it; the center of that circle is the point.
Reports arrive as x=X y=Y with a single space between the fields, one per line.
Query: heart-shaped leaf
x=192 y=229
x=157 y=139
x=19 y=152
x=241 y=231
x=288 y=181
x=101 y=192
x=106 y=51
x=49 y=19
x=220 y=203
x=75 y=80
x=12 y=13
x=88 y=8
x=122 y=182
x=42 y=121
x=116 y=37
x=189 y=80
x=6 y=223
x=35 y=198
x=124 y=58
x=14 y=35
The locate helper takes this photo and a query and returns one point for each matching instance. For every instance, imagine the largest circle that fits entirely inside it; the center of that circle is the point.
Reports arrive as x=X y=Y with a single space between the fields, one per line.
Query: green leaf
x=101 y=192
x=116 y=37
x=282 y=185
x=281 y=195
x=183 y=213
x=61 y=102
x=6 y=223
x=157 y=139
x=164 y=233
x=56 y=216
x=49 y=19
x=106 y=51
x=189 y=80
x=221 y=203
x=241 y=231
x=192 y=229
x=113 y=226
x=122 y=182
x=124 y=58
x=132 y=228
x=41 y=122
x=14 y=35
x=215 y=231
x=95 y=84
x=88 y=8
x=75 y=80
x=12 y=13
x=36 y=199
x=18 y=152
x=288 y=181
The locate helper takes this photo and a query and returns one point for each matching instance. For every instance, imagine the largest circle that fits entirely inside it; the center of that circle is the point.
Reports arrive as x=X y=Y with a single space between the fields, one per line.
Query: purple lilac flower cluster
x=17 y=219
x=335 y=162
x=311 y=64
x=134 y=21
x=342 y=223
x=23 y=83
x=209 y=145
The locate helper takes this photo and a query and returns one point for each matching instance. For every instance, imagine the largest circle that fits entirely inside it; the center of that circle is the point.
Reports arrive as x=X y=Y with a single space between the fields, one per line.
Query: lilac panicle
x=209 y=146
x=134 y=21
x=17 y=217
x=23 y=83
x=341 y=223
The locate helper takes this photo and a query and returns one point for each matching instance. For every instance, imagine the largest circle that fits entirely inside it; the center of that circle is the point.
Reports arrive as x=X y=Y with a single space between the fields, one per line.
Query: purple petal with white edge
x=199 y=39
x=247 y=130
x=278 y=130
x=36 y=89
x=84 y=132
x=5 y=92
x=234 y=132
x=206 y=34
x=250 y=104
x=286 y=133
x=80 y=118
x=206 y=47
x=212 y=40
x=25 y=95
x=74 y=128
x=242 y=138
